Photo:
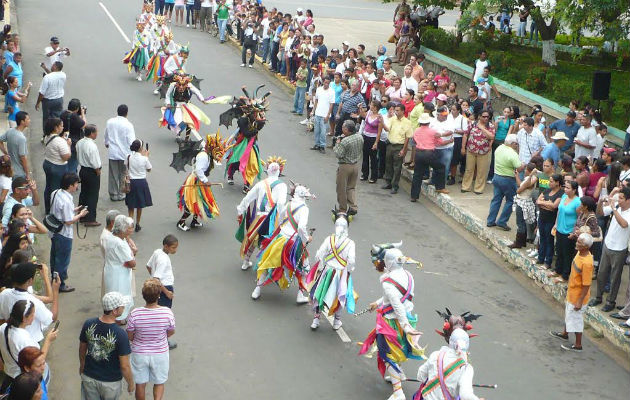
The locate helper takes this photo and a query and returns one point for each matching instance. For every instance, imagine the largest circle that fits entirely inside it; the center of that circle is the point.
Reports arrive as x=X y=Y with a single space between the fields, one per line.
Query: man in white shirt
x=90 y=173
x=322 y=110
x=531 y=141
x=444 y=152
x=408 y=82
x=265 y=37
x=367 y=78
x=480 y=64
x=615 y=249
x=586 y=138
x=119 y=134
x=53 y=53
x=51 y=93
x=22 y=276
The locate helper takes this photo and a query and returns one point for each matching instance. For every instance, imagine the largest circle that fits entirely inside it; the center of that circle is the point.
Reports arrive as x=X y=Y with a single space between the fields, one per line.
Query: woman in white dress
x=119 y=262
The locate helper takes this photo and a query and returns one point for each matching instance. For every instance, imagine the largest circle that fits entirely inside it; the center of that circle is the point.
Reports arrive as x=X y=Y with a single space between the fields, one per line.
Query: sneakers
x=256 y=293
x=195 y=224
x=187 y=25
x=230 y=181
x=337 y=324
x=246 y=264
x=182 y=226
x=250 y=66
x=300 y=299
x=558 y=335
x=243 y=65
x=139 y=78
x=156 y=91
x=304 y=121
x=315 y=323
x=571 y=348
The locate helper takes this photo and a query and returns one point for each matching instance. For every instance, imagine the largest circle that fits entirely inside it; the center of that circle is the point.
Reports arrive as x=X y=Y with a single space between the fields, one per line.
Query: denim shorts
x=150 y=367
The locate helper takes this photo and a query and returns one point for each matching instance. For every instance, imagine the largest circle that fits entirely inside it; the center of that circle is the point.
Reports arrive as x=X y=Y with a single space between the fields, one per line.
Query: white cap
x=511 y=138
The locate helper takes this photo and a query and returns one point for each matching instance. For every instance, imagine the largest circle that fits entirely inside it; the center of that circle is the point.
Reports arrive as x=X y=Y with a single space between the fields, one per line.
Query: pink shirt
x=150 y=326
x=426 y=138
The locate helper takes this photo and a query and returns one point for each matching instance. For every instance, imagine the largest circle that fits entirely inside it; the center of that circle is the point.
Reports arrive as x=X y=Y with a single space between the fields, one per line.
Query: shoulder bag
x=125 y=186
x=52 y=223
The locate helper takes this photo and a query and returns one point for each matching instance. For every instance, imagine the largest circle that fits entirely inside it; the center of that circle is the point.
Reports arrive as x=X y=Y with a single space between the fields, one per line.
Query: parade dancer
x=195 y=195
x=147 y=16
x=244 y=156
x=258 y=212
x=395 y=337
x=447 y=374
x=158 y=32
x=138 y=57
x=283 y=256
x=155 y=70
x=180 y=114
x=330 y=280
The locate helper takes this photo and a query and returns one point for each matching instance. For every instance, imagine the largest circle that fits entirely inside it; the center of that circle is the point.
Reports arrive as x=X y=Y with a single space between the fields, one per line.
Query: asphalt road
x=231 y=347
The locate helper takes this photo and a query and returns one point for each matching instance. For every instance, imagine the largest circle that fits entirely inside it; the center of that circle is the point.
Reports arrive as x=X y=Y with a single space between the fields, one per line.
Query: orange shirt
x=581 y=275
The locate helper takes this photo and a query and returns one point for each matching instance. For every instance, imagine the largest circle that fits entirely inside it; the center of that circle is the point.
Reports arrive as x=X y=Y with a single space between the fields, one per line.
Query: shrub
x=438 y=39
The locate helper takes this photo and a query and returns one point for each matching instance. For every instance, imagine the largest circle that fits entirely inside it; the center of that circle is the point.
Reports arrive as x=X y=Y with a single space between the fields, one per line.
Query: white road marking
x=114 y=22
x=342 y=334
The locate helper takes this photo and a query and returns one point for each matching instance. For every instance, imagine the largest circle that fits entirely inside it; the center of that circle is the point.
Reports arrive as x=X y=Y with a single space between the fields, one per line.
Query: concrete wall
x=511 y=95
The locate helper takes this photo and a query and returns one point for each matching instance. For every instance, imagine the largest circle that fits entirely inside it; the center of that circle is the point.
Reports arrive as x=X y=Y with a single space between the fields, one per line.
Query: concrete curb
x=593 y=316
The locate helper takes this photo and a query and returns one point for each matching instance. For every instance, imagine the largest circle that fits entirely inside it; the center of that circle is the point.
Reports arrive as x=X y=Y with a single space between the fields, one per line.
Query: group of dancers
x=273 y=224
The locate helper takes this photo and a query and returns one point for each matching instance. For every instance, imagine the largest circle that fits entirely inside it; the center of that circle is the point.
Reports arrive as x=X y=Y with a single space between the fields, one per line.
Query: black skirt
x=139 y=196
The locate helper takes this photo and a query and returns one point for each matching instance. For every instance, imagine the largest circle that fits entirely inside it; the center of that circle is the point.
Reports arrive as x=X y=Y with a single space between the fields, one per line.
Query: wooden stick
x=205 y=184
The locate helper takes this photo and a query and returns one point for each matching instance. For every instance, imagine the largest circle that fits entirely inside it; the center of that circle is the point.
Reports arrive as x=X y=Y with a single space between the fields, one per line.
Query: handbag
x=125 y=187
x=52 y=223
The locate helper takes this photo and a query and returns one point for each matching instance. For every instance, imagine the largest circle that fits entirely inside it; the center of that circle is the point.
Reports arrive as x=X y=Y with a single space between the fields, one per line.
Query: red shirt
x=409 y=105
x=478 y=142
x=426 y=138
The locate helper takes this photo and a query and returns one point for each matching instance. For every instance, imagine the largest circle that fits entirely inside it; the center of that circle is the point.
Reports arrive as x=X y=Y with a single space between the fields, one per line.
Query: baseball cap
x=23 y=272
x=54 y=39
x=442 y=97
x=112 y=301
x=609 y=150
x=346 y=43
x=571 y=114
x=300 y=9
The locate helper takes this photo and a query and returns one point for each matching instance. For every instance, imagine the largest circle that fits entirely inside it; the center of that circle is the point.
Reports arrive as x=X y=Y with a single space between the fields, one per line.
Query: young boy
x=159 y=267
x=578 y=293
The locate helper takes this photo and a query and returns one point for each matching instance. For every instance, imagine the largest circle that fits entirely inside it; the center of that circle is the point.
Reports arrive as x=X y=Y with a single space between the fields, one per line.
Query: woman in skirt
x=139 y=195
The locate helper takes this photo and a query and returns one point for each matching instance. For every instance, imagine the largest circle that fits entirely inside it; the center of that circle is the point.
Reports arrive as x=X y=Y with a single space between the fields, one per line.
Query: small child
x=159 y=267
x=578 y=293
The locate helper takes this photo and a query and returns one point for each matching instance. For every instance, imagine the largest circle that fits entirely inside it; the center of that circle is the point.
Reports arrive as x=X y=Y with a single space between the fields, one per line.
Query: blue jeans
x=444 y=157
x=159 y=7
x=521 y=226
x=298 y=99
x=222 y=27
x=503 y=187
x=60 y=252
x=53 y=173
x=265 y=49
x=190 y=16
x=546 y=246
x=320 y=131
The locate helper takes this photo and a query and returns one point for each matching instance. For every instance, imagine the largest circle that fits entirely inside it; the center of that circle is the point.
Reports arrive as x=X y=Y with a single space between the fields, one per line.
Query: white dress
x=117 y=277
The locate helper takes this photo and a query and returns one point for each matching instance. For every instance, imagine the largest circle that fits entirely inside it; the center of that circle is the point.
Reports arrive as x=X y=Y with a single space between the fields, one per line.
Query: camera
x=84 y=108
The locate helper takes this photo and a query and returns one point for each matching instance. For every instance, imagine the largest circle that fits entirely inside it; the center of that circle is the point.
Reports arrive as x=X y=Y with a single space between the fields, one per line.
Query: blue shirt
x=551 y=151
x=17 y=72
x=105 y=343
x=338 y=89
x=569 y=130
x=11 y=102
x=567 y=215
x=379 y=61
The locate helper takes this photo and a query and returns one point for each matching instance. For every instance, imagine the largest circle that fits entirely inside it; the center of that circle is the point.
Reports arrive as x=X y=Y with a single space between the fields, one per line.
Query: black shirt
x=73 y=124
x=105 y=343
x=546 y=215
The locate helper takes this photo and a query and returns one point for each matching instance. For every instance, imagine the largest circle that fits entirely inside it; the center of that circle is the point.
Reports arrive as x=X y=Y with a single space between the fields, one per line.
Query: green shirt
x=506 y=161
x=301 y=75
x=223 y=12
x=543 y=180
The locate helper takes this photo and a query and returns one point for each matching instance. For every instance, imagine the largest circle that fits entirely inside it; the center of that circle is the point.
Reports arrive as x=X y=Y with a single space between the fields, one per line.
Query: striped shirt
x=150 y=326
x=351 y=102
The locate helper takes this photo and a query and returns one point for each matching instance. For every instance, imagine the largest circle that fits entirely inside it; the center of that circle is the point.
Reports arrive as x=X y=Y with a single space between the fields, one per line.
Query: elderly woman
x=106 y=234
x=477 y=146
x=119 y=262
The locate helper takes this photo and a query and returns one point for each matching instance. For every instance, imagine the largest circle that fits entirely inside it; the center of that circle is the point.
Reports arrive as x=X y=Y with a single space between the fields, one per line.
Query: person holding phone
x=139 y=195
x=56 y=155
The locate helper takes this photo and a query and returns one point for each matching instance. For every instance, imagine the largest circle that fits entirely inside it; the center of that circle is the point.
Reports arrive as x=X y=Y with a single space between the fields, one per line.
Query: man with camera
x=74 y=120
x=53 y=53
x=90 y=174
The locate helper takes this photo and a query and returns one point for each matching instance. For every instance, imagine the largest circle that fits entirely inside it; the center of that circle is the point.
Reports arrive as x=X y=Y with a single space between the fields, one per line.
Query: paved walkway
x=468 y=209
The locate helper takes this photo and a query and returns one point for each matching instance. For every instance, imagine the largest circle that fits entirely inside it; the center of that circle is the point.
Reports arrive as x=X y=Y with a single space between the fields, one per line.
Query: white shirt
x=459 y=383
x=392 y=296
x=43 y=316
x=50 y=60
x=87 y=153
x=409 y=83
x=138 y=166
x=458 y=123
x=599 y=143
x=587 y=135
x=119 y=134
x=52 y=85
x=300 y=216
x=340 y=68
x=348 y=253
x=202 y=162
x=206 y=3
x=63 y=208
x=325 y=97
x=441 y=127
x=617 y=237
x=479 y=66
x=173 y=63
x=105 y=235
x=265 y=26
x=161 y=268
x=18 y=338
x=259 y=191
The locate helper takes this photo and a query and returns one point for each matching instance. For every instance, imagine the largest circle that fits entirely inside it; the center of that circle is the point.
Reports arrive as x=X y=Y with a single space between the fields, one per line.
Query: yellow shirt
x=399 y=130
x=283 y=38
x=417 y=111
x=581 y=275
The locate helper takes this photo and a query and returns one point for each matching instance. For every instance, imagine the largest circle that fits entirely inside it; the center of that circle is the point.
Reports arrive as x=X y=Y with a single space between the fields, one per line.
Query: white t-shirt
x=18 y=339
x=50 y=60
x=617 y=237
x=441 y=127
x=587 y=135
x=599 y=143
x=160 y=264
x=138 y=166
x=458 y=123
x=479 y=66
x=5 y=183
x=62 y=207
x=325 y=97
x=56 y=146
x=43 y=316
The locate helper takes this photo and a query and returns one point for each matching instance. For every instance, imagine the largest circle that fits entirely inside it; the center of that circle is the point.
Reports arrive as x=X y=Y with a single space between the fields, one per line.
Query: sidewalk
x=468 y=209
